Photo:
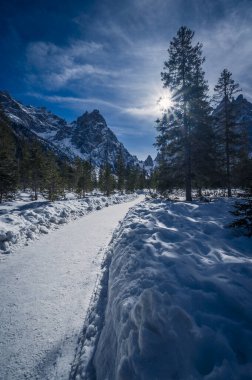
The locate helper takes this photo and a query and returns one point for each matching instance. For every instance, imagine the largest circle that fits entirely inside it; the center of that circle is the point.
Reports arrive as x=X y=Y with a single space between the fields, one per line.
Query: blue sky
x=73 y=56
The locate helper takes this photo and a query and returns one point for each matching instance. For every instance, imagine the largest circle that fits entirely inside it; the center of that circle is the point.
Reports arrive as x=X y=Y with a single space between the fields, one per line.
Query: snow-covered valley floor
x=178 y=298
x=45 y=289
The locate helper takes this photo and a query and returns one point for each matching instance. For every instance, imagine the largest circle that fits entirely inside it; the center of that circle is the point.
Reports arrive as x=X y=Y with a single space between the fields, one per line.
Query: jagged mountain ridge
x=88 y=137
x=242 y=110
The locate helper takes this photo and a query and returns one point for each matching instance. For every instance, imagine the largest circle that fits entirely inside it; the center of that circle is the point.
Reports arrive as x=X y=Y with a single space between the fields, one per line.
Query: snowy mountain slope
x=88 y=137
x=179 y=298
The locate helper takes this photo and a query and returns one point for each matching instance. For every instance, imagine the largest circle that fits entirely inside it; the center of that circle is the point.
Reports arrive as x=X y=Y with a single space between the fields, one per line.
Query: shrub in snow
x=243 y=212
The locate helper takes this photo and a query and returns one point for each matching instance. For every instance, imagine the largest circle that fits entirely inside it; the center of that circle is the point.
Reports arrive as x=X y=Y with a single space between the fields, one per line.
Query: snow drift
x=179 y=297
x=22 y=221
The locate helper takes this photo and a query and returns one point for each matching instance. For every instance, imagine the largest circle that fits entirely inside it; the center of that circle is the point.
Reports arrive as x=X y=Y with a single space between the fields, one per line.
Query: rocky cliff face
x=242 y=115
x=88 y=137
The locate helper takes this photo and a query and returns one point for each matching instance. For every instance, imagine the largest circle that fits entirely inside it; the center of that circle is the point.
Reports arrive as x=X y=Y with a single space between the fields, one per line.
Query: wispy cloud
x=75 y=102
x=54 y=66
x=115 y=63
x=227 y=44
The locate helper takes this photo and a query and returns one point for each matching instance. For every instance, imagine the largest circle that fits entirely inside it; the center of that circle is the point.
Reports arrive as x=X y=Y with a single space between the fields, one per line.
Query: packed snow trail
x=45 y=290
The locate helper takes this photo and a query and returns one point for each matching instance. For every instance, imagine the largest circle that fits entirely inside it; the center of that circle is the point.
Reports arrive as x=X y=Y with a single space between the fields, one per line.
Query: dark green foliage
x=107 y=181
x=68 y=175
x=243 y=212
x=120 y=171
x=170 y=172
x=152 y=180
x=52 y=181
x=185 y=140
x=24 y=166
x=141 y=179
x=36 y=169
x=27 y=165
x=8 y=161
x=202 y=135
x=84 y=176
x=135 y=178
x=227 y=135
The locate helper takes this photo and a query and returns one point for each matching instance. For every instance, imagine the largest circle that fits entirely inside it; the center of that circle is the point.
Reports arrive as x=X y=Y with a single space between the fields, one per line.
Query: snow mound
x=179 y=297
x=22 y=222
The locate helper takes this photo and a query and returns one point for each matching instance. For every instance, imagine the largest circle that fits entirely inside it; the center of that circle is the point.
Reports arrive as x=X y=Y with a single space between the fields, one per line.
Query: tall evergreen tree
x=52 y=180
x=36 y=168
x=225 y=121
x=179 y=76
x=8 y=162
x=169 y=143
x=106 y=179
x=120 y=170
x=202 y=134
x=24 y=166
x=85 y=181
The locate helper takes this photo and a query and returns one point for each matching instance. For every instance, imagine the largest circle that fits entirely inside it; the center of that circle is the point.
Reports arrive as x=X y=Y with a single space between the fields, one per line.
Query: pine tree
x=36 y=168
x=120 y=170
x=68 y=175
x=225 y=121
x=24 y=166
x=131 y=178
x=179 y=77
x=52 y=181
x=170 y=151
x=106 y=179
x=243 y=212
x=202 y=134
x=85 y=181
x=8 y=162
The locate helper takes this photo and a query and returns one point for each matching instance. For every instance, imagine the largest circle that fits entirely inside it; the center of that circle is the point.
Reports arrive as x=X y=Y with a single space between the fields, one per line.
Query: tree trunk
x=188 y=179
x=227 y=151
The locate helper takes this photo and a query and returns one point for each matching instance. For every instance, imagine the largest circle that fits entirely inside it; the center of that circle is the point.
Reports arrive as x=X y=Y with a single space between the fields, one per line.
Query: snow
x=24 y=221
x=84 y=138
x=46 y=287
x=178 y=298
x=67 y=146
x=47 y=135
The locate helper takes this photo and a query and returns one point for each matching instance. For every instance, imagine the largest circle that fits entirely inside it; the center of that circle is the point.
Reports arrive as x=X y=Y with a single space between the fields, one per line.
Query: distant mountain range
x=243 y=112
x=243 y=116
x=88 y=137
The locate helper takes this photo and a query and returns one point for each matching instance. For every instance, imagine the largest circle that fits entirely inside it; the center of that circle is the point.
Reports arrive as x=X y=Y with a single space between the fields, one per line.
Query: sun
x=164 y=102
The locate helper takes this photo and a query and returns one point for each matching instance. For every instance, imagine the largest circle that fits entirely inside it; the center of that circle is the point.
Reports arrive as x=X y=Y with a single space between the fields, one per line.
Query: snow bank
x=22 y=221
x=179 y=297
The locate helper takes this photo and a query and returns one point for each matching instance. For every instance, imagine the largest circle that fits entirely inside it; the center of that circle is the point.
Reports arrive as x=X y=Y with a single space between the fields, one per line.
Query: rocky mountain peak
x=148 y=161
x=88 y=137
x=91 y=118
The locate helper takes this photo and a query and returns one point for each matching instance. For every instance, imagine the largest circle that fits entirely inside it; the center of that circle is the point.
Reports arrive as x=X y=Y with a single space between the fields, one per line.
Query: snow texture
x=178 y=298
x=45 y=291
x=23 y=221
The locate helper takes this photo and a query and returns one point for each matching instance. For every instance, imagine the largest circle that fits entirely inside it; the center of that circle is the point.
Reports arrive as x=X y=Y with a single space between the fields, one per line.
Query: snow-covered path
x=45 y=290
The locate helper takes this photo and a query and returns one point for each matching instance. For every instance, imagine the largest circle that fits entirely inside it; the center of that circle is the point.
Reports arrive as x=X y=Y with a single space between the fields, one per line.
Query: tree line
x=199 y=146
x=28 y=165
